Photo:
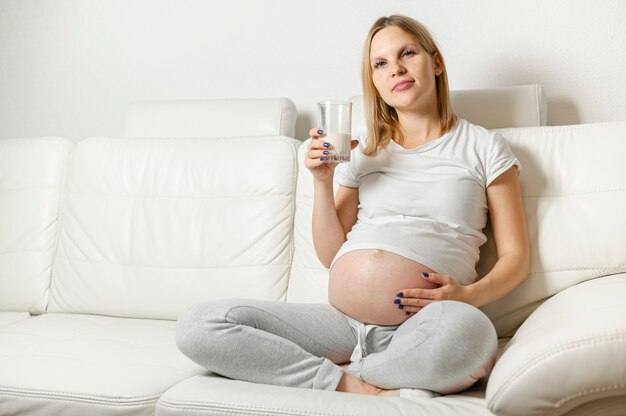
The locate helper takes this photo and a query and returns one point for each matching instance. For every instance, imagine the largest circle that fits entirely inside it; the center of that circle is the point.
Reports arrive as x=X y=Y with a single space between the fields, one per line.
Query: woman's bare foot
x=351 y=384
x=389 y=393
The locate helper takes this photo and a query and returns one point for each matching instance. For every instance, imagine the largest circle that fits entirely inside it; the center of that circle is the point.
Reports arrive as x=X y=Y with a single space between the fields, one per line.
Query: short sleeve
x=500 y=159
x=346 y=174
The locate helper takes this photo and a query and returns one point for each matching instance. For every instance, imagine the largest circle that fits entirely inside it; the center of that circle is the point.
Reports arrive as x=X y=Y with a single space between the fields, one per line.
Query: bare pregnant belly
x=363 y=285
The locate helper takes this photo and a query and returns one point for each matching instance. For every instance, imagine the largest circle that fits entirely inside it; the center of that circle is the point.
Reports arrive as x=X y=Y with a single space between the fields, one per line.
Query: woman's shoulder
x=474 y=130
x=477 y=137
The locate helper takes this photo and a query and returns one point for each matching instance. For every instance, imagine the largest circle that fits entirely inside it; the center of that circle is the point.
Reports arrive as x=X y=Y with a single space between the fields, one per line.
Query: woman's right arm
x=333 y=217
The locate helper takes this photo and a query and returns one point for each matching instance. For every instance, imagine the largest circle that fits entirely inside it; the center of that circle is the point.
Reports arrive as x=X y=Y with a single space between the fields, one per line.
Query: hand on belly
x=363 y=285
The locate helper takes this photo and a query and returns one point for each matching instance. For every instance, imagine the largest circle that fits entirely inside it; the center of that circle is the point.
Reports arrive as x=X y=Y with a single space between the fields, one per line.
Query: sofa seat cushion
x=213 y=395
x=10 y=317
x=88 y=365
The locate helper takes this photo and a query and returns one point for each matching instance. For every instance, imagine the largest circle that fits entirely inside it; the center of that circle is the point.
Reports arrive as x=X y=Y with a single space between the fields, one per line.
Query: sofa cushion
x=570 y=351
x=32 y=175
x=211 y=395
x=153 y=225
x=10 y=317
x=80 y=365
x=211 y=118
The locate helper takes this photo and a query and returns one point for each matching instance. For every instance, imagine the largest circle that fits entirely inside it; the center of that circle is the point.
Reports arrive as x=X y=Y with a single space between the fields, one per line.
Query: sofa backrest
x=211 y=118
x=197 y=203
x=574 y=193
x=153 y=225
x=32 y=175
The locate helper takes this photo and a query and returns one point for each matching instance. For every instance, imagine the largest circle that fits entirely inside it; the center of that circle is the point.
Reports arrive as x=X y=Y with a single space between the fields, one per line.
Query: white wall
x=70 y=67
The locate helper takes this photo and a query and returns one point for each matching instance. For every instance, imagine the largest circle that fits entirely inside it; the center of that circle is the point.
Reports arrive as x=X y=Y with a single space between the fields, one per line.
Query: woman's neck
x=419 y=128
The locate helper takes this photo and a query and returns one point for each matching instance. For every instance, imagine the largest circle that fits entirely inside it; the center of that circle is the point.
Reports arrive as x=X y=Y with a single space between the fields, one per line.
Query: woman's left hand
x=413 y=300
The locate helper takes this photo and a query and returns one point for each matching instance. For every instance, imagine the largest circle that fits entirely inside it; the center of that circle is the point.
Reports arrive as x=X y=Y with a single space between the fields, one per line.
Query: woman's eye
x=378 y=64
x=408 y=52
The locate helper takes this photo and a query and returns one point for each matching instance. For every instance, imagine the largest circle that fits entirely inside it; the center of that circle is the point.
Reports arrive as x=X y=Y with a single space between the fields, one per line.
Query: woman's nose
x=397 y=69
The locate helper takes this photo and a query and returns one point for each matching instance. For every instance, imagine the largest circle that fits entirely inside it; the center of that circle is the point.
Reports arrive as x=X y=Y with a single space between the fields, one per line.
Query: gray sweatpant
x=445 y=347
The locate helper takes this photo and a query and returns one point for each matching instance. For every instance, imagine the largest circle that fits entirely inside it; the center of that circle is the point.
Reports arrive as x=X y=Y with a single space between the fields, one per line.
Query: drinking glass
x=335 y=118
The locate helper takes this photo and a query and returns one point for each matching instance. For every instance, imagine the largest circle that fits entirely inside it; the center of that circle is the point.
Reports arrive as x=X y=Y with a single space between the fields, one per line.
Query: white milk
x=340 y=147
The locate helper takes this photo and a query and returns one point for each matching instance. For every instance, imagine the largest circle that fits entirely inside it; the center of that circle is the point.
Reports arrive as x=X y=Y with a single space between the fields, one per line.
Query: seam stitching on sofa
x=144 y=196
x=98 y=363
x=292 y=233
x=31 y=188
x=67 y=159
x=171 y=267
x=83 y=398
x=602 y=191
x=22 y=251
x=602 y=405
x=616 y=336
x=550 y=321
x=189 y=405
x=537 y=130
x=281 y=104
x=619 y=386
x=617 y=269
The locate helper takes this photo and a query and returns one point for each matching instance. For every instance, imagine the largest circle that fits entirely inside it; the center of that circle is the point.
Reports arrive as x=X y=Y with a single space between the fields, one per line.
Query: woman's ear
x=438 y=64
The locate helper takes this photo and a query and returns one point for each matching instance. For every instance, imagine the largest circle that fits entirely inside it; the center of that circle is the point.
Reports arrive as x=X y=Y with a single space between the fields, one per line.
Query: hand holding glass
x=335 y=118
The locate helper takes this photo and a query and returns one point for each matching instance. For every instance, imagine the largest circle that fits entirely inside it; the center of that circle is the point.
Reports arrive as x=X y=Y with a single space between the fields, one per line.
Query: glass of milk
x=335 y=118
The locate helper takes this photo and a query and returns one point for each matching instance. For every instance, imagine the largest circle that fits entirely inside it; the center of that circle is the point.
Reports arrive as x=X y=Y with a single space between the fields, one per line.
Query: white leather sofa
x=104 y=242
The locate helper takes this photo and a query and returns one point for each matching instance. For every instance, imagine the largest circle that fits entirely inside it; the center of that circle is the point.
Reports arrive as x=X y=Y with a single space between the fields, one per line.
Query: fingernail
x=325 y=152
x=425 y=274
x=321 y=158
x=400 y=294
x=400 y=306
x=408 y=313
x=326 y=144
x=397 y=301
x=320 y=132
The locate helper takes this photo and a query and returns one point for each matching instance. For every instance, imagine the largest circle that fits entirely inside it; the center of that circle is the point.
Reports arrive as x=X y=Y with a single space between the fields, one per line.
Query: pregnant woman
x=401 y=238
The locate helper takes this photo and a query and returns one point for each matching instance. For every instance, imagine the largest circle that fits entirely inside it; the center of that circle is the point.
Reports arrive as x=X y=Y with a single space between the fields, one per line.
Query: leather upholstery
x=211 y=118
x=32 y=175
x=153 y=225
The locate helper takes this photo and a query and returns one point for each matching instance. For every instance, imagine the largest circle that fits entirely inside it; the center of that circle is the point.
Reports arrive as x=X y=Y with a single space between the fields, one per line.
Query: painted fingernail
x=326 y=144
x=321 y=158
x=397 y=301
x=400 y=294
x=320 y=132
x=408 y=313
x=425 y=274
x=400 y=306
x=325 y=152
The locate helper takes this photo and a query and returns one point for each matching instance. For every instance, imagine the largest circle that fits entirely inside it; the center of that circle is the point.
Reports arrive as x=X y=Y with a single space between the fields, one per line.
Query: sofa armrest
x=570 y=351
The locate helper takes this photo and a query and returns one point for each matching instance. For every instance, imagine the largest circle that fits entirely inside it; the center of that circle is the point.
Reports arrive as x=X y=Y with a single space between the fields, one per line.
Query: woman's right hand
x=315 y=154
x=317 y=151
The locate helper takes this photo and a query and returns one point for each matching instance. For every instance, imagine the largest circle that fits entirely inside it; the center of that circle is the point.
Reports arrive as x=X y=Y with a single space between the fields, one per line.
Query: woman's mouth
x=401 y=86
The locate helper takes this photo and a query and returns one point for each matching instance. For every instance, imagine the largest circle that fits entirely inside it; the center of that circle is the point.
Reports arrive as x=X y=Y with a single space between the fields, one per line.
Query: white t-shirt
x=428 y=204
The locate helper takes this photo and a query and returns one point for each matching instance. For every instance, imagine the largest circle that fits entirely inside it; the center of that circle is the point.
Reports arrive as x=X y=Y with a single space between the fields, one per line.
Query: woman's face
x=402 y=71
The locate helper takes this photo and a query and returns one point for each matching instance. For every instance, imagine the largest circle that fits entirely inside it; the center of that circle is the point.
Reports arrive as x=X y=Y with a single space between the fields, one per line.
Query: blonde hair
x=382 y=119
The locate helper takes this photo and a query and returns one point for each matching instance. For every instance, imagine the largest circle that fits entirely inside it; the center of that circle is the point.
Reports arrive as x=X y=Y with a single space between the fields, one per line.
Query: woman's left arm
x=504 y=198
